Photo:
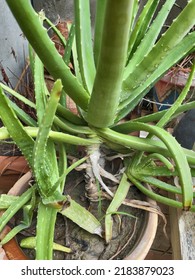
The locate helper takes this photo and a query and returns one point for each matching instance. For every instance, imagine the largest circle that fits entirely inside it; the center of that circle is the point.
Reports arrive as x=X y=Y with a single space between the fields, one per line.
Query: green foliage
x=111 y=77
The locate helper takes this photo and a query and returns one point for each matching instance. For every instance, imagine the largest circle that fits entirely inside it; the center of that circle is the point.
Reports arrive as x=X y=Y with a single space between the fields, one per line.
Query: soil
x=7 y=148
x=85 y=246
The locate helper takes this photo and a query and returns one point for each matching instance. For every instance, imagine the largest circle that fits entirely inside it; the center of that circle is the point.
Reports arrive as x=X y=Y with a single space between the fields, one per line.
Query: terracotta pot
x=11 y=250
x=11 y=169
x=168 y=88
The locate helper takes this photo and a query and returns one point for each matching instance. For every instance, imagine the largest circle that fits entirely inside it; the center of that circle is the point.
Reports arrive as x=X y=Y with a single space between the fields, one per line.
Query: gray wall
x=63 y=8
x=11 y=39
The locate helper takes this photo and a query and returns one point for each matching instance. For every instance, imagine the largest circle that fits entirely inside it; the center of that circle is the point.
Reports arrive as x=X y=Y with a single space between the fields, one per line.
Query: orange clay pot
x=11 y=250
x=11 y=169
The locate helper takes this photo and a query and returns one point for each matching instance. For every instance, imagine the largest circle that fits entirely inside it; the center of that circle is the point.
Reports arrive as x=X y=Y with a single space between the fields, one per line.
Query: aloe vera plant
x=111 y=77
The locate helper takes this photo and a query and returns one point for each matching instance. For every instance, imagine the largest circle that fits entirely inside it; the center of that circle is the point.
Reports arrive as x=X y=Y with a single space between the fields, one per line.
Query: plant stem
x=45 y=232
x=106 y=91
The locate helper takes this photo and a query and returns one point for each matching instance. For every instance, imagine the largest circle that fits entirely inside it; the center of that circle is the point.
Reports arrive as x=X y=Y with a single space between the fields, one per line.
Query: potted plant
x=110 y=79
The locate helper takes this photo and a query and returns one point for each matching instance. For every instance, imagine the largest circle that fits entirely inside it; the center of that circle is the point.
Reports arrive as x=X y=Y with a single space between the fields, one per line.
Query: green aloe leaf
x=41 y=92
x=68 y=48
x=178 y=156
x=30 y=243
x=146 y=40
x=45 y=162
x=16 y=129
x=132 y=94
x=14 y=207
x=173 y=36
x=24 y=117
x=55 y=136
x=25 y=223
x=116 y=202
x=99 y=21
x=84 y=43
x=6 y=200
x=85 y=219
x=157 y=197
x=141 y=26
